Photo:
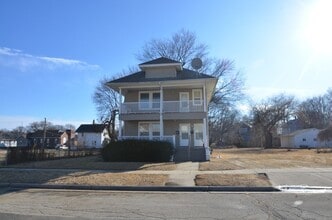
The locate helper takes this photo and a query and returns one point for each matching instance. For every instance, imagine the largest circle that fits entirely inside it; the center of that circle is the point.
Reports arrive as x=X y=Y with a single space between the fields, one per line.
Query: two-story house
x=50 y=138
x=91 y=135
x=165 y=101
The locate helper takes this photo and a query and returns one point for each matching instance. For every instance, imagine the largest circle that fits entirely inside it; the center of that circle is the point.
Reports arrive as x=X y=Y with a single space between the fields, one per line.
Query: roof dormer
x=161 y=68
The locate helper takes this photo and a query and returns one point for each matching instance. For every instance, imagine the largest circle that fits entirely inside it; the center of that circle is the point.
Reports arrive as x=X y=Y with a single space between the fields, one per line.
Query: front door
x=184 y=101
x=198 y=135
x=184 y=134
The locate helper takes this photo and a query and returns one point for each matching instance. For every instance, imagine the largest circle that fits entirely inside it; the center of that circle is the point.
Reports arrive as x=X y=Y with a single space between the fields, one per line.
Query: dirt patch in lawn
x=83 y=178
x=256 y=158
x=95 y=163
x=250 y=180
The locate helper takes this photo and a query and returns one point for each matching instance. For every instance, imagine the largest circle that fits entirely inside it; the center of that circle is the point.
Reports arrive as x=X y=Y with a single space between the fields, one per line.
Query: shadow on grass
x=81 y=170
x=94 y=163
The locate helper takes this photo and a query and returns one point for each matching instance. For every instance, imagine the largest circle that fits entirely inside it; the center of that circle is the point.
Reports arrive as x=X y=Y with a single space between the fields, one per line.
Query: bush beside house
x=137 y=151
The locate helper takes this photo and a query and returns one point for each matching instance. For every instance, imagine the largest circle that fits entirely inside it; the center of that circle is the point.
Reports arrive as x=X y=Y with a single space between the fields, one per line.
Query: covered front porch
x=181 y=133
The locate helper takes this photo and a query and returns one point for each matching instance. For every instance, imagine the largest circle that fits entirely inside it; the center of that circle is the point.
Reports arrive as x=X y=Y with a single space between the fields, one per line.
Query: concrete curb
x=144 y=188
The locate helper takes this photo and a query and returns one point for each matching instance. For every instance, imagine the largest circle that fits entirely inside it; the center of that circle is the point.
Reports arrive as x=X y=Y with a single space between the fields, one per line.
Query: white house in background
x=8 y=143
x=91 y=135
x=305 y=138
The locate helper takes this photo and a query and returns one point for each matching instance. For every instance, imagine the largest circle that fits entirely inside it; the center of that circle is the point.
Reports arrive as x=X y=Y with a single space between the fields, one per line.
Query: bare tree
x=268 y=114
x=316 y=112
x=39 y=125
x=107 y=100
x=107 y=103
x=182 y=47
x=325 y=134
x=221 y=124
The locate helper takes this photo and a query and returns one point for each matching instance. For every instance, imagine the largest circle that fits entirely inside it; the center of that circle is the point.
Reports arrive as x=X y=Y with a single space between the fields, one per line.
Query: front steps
x=193 y=154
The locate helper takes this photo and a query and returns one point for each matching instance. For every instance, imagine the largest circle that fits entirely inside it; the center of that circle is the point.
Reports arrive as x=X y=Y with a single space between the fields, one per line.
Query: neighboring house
x=291 y=126
x=22 y=141
x=305 y=138
x=8 y=143
x=91 y=135
x=52 y=138
x=18 y=142
x=165 y=101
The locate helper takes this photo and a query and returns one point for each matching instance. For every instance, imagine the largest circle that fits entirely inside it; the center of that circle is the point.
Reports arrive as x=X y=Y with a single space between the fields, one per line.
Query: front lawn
x=94 y=163
x=255 y=158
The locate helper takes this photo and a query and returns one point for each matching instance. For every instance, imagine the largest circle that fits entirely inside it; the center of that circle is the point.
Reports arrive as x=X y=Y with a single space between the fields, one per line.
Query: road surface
x=68 y=204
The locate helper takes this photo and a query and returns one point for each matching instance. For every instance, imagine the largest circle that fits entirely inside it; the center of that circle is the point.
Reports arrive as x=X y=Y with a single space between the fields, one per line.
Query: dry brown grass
x=83 y=178
x=95 y=163
x=232 y=180
x=3 y=154
x=255 y=158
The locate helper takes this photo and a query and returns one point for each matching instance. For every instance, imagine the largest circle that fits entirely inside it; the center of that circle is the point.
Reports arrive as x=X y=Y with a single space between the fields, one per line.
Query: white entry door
x=184 y=134
x=198 y=135
x=184 y=101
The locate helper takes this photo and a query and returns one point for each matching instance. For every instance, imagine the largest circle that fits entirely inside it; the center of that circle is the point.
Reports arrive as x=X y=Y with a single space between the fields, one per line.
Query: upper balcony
x=164 y=107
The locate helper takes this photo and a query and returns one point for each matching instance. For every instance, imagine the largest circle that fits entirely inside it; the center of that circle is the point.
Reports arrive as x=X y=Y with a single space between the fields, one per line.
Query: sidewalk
x=185 y=173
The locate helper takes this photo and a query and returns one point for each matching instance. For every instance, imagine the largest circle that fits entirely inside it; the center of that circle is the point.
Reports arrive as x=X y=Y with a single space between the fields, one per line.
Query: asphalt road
x=65 y=204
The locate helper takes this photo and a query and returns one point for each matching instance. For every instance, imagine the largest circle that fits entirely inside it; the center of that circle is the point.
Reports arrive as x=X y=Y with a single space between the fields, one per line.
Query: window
x=149 y=100
x=143 y=129
x=155 y=129
x=148 y=129
x=144 y=100
x=304 y=139
x=197 y=97
x=156 y=100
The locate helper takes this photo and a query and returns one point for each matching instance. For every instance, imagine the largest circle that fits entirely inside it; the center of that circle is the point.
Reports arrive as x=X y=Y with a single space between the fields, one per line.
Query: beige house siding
x=140 y=116
x=184 y=115
x=160 y=72
x=170 y=126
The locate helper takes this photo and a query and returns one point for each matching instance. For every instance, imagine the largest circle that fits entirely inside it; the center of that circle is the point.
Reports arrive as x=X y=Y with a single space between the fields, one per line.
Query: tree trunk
x=268 y=139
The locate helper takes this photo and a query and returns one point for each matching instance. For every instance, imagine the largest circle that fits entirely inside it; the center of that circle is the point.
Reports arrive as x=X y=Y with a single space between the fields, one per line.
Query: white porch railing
x=167 y=106
x=170 y=138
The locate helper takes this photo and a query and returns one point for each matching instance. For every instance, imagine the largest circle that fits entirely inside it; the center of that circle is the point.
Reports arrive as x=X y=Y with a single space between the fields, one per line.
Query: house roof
x=301 y=131
x=160 y=60
x=185 y=74
x=91 y=128
x=48 y=134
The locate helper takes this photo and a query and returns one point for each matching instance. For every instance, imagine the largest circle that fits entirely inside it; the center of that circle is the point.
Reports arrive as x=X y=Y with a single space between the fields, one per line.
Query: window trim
x=150 y=101
x=150 y=131
x=200 y=97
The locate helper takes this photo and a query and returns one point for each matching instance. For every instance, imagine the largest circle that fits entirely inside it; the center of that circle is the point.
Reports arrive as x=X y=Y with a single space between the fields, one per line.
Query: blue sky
x=53 y=53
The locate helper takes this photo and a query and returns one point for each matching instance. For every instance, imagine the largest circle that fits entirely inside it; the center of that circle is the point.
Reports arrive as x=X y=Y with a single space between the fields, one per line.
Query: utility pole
x=44 y=137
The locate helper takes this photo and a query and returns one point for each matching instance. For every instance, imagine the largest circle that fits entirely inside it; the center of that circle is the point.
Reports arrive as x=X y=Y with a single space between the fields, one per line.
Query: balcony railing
x=167 y=106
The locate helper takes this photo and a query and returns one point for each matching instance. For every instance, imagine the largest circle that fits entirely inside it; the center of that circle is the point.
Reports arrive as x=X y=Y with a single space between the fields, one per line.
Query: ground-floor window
x=148 y=129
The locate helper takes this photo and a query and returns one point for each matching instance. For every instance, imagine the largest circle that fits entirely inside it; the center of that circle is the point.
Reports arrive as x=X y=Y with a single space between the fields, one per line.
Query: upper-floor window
x=149 y=100
x=197 y=97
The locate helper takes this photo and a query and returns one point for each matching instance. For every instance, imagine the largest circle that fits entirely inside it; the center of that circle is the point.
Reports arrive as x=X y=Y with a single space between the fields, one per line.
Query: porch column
x=161 y=121
x=120 y=122
x=205 y=133
x=204 y=98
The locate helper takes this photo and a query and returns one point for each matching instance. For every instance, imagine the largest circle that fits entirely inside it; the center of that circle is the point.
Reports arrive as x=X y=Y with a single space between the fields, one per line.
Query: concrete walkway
x=184 y=174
